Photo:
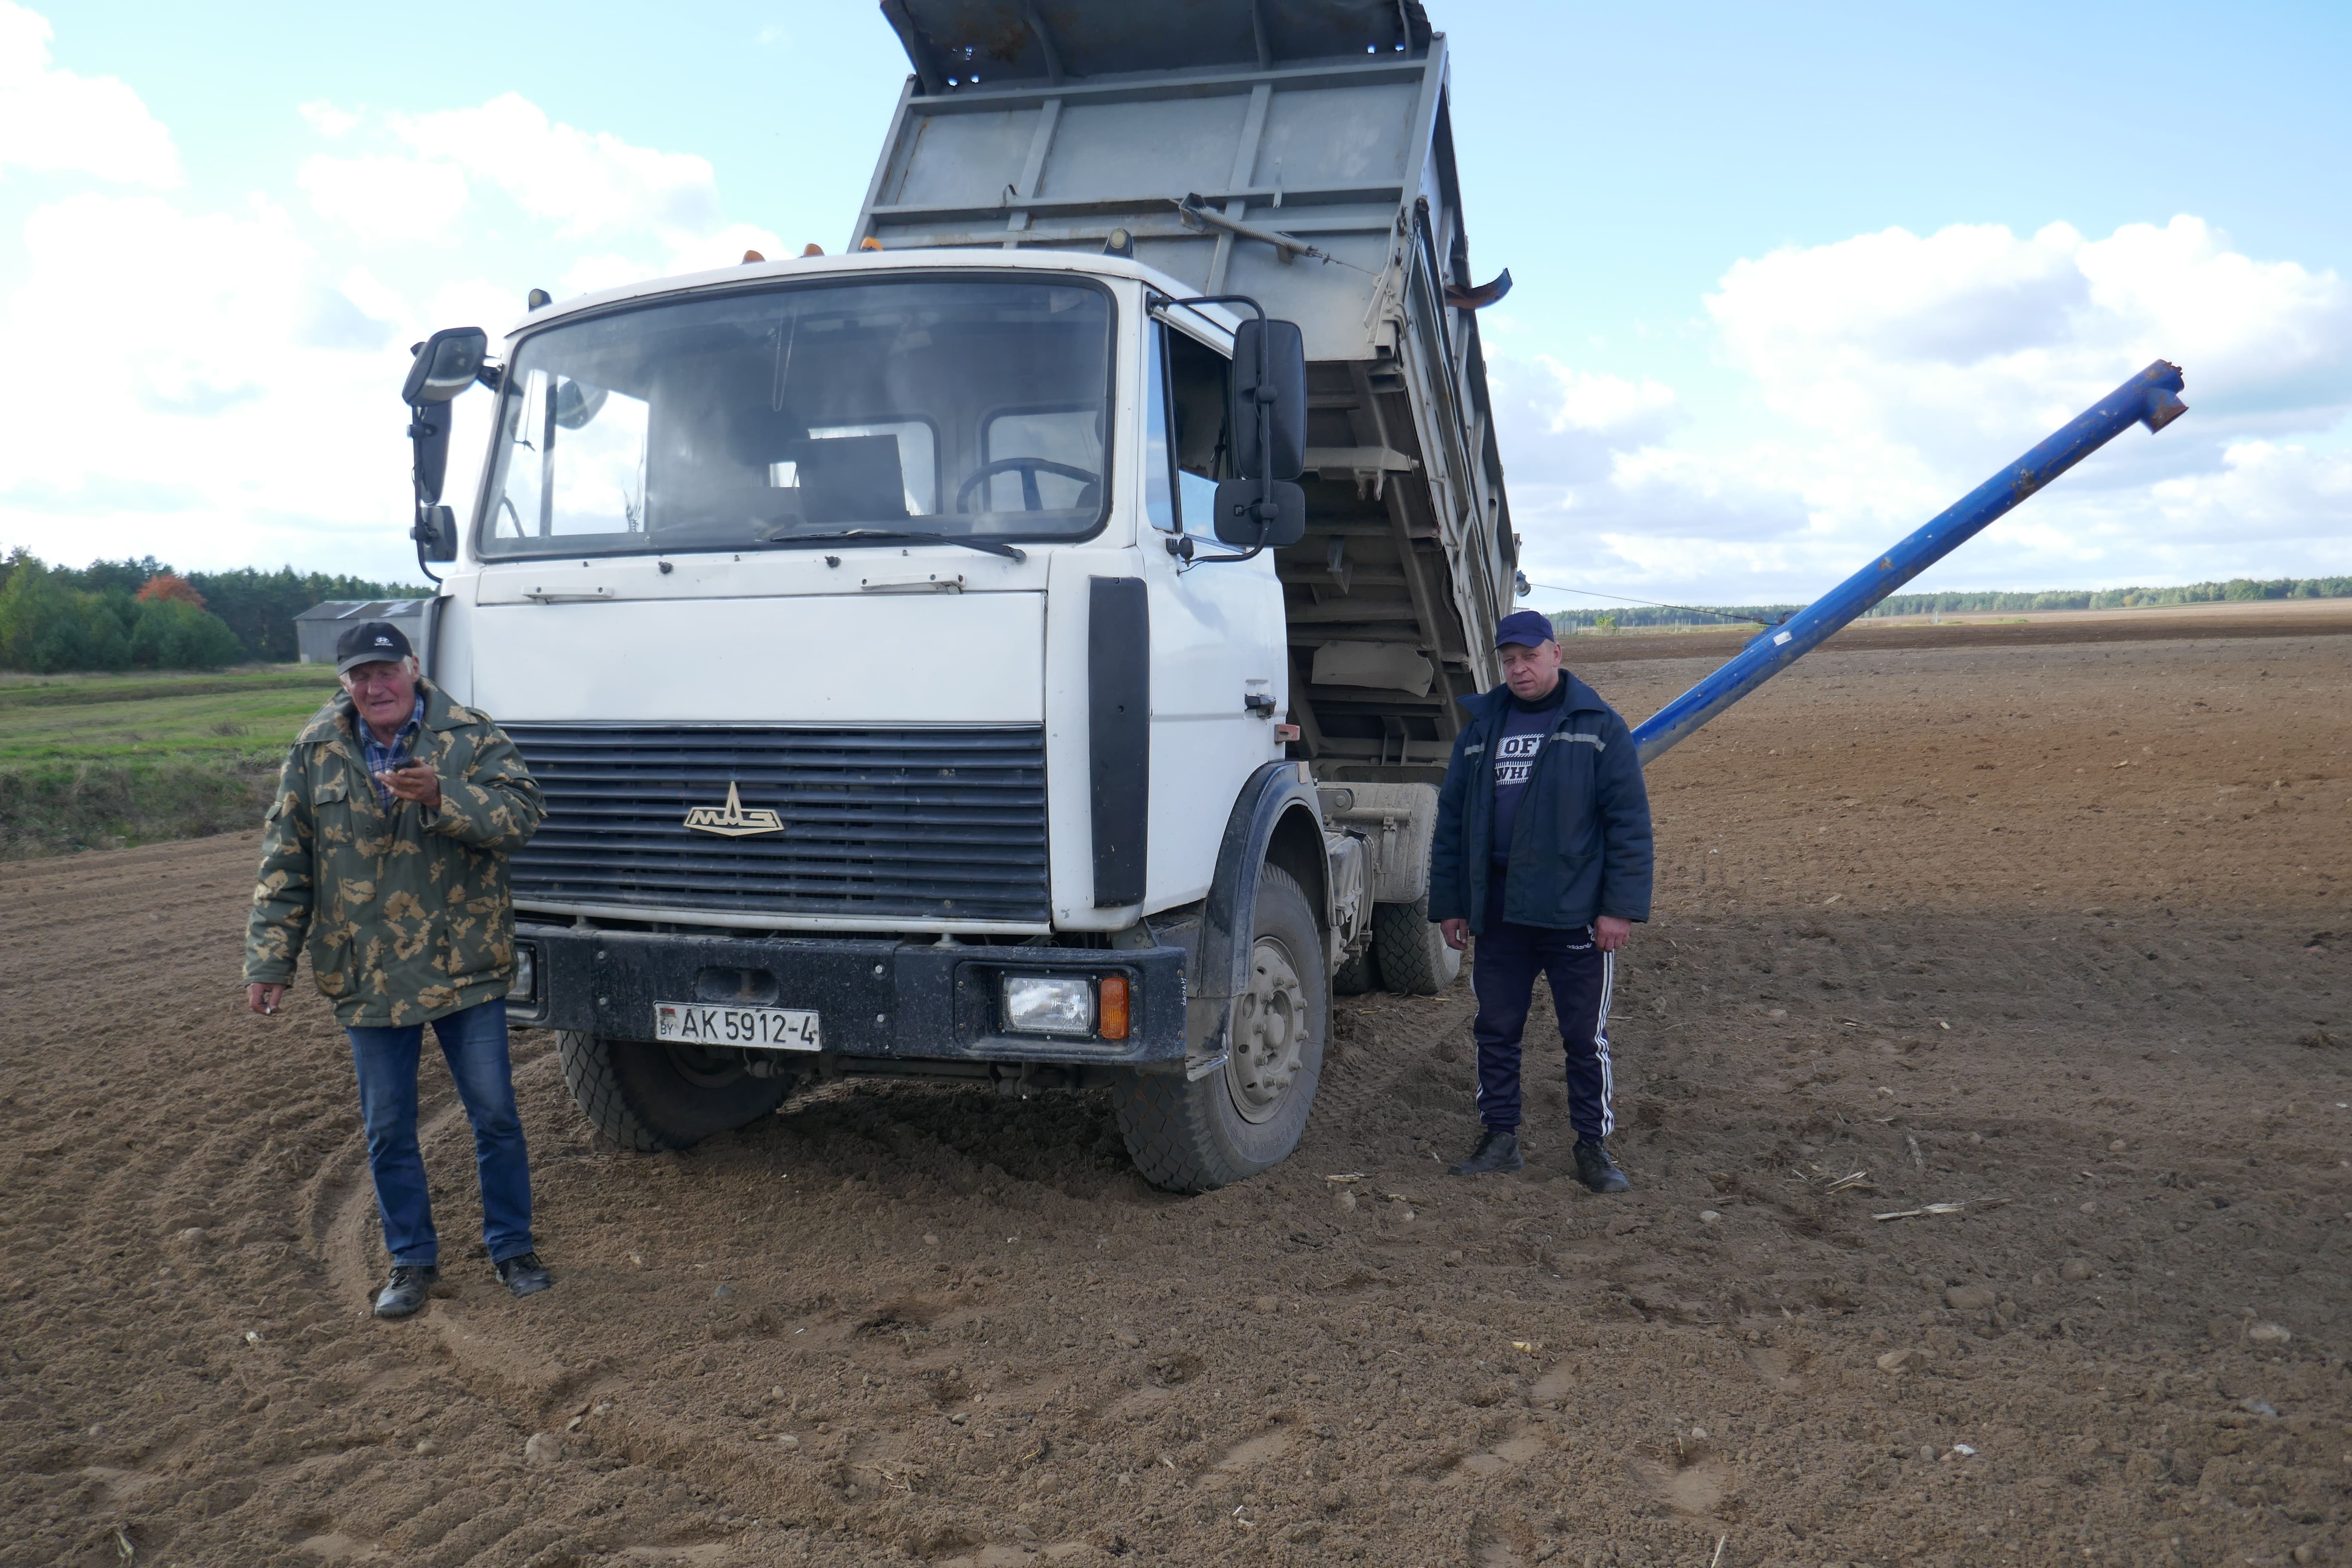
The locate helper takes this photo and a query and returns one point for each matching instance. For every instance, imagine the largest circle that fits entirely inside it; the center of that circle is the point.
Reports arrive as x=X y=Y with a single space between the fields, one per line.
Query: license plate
x=740 y=1029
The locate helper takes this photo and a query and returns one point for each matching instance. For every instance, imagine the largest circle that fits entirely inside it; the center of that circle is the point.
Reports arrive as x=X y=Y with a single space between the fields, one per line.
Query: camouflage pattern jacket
x=407 y=917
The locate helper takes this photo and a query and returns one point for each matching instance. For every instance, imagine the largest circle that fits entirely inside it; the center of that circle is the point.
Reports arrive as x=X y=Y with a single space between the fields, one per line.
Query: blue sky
x=1788 y=278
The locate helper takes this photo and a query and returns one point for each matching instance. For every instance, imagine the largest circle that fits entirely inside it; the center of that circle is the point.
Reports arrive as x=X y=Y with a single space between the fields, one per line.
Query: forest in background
x=121 y=614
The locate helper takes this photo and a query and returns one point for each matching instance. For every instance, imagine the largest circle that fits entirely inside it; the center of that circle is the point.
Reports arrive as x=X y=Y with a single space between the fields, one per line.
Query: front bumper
x=877 y=998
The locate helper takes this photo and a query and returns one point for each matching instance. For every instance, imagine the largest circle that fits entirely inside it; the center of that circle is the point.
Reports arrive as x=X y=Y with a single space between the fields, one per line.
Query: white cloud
x=237 y=402
x=328 y=121
x=1899 y=370
x=586 y=184
x=55 y=122
x=210 y=380
x=1973 y=335
x=662 y=207
x=385 y=199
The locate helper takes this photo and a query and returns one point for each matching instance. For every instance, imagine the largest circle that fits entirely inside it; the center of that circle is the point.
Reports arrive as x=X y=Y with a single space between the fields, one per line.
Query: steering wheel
x=1028 y=468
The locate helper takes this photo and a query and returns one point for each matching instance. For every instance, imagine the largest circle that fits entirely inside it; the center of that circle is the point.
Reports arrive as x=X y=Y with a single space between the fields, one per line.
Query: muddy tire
x=650 y=1097
x=1357 y=975
x=1194 y=1137
x=1414 y=959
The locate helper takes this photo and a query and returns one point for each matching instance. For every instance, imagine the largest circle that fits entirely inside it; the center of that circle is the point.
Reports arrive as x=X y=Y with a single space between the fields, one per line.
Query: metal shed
x=316 y=628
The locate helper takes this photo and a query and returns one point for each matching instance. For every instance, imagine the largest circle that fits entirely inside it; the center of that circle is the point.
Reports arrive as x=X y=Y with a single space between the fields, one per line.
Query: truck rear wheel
x=649 y=1097
x=1413 y=957
x=1234 y=1121
x=1357 y=975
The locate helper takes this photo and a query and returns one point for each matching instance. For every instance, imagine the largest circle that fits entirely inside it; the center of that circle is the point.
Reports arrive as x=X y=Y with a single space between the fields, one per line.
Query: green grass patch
x=79 y=690
x=102 y=761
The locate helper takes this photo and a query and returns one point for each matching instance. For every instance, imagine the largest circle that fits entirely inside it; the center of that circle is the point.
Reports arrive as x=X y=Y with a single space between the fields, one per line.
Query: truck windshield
x=977 y=406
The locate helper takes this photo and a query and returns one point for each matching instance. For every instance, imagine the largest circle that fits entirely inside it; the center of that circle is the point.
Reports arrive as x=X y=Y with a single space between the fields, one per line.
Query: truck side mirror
x=429 y=437
x=435 y=533
x=445 y=364
x=1277 y=448
x=1260 y=514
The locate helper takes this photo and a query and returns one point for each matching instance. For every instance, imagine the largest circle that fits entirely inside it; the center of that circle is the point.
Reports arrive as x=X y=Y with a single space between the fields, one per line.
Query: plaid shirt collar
x=380 y=757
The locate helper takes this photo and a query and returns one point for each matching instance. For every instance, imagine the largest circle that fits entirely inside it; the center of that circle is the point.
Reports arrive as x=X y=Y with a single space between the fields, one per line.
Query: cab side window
x=1199 y=387
x=1159 y=449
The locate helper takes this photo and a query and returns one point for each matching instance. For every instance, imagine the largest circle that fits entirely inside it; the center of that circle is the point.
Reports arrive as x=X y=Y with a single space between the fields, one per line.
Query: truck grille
x=932 y=824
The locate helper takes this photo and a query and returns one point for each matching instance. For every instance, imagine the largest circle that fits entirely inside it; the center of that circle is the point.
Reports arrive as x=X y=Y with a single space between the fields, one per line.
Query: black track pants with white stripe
x=1503 y=970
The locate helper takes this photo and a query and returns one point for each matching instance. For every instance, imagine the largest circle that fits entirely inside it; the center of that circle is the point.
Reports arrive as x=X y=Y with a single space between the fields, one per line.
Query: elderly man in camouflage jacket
x=386 y=857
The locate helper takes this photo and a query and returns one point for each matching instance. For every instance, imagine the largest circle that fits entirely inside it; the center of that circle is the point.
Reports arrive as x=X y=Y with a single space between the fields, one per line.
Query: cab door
x=1219 y=678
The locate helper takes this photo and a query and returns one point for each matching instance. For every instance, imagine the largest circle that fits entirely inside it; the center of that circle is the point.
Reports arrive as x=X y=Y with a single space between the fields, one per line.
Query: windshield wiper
x=859 y=535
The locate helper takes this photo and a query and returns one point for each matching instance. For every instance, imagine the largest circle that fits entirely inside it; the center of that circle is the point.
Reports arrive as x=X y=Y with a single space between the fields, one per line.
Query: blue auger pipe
x=2151 y=398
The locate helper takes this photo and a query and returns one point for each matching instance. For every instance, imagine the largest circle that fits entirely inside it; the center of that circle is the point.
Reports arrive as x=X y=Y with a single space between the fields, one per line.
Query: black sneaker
x=403 y=1295
x=1498 y=1151
x=1596 y=1170
x=524 y=1274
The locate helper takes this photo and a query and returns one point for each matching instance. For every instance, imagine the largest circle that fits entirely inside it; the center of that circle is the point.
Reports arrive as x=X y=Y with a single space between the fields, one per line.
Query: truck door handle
x=1259 y=703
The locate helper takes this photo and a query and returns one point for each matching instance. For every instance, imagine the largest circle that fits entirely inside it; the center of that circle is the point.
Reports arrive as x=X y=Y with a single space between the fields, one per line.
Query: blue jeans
x=474 y=1043
x=1503 y=971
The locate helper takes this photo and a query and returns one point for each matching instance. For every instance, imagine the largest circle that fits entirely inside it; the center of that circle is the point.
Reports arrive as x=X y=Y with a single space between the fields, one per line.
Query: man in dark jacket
x=1543 y=854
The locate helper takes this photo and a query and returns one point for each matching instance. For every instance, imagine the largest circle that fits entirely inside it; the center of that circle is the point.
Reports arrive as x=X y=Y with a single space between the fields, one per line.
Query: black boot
x=1498 y=1151
x=404 y=1297
x=1596 y=1170
x=524 y=1274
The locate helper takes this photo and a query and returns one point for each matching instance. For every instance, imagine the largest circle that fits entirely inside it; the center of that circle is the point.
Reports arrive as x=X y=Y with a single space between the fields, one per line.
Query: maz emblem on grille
x=732 y=820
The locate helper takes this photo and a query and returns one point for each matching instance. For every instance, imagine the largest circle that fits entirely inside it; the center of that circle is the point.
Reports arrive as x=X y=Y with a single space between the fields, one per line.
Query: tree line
x=115 y=614
x=2236 y=590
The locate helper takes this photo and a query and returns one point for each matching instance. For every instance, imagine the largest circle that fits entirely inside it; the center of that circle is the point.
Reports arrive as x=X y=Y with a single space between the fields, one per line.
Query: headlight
x=525 y=988
x=1049 y=1003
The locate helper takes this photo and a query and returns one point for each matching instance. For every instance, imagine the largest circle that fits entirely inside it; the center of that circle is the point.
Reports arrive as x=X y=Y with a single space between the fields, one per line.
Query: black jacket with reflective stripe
x=1582 y=846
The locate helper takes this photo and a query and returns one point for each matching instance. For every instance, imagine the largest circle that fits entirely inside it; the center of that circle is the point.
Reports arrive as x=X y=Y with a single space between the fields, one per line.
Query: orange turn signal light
x=1110 y=1008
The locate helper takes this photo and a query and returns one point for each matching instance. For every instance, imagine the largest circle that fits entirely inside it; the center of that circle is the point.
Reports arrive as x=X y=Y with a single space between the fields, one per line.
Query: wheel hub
x=704 y=1069
x=1268 y=1033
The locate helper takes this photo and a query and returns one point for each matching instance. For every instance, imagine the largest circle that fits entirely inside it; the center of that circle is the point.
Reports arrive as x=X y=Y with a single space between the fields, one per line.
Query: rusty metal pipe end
x=2163 y=407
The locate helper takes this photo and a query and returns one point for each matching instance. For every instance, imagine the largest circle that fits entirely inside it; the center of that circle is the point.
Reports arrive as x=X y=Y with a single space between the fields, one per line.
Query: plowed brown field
x=2056 y=933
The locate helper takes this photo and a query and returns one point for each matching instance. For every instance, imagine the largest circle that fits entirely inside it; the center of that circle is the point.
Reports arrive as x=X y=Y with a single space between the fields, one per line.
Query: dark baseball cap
x=369 y=642
x=1528 y=629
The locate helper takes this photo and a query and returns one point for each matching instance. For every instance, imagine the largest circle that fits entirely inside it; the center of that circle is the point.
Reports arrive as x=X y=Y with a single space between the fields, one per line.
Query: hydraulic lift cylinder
x=2151 y=398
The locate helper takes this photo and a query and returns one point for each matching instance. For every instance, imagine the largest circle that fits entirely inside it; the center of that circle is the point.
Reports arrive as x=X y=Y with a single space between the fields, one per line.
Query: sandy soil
x=2057 y=934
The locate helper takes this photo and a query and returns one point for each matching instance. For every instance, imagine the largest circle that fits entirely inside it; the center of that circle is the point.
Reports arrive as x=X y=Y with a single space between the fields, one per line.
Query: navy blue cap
x=369 y=642
x=1528 y=629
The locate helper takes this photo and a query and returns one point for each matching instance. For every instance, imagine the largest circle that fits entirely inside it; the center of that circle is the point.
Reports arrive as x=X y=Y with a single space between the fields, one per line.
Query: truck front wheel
x=649 y=1097
x=1195 y=1135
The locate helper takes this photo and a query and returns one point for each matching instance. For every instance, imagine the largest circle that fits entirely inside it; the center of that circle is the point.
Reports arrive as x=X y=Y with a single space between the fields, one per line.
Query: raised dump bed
x=1299 y=151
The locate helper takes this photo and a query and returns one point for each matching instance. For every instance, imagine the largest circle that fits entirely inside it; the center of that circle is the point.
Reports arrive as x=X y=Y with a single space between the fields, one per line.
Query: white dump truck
x=1020 y=648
